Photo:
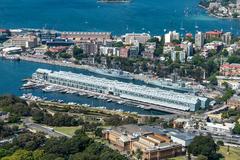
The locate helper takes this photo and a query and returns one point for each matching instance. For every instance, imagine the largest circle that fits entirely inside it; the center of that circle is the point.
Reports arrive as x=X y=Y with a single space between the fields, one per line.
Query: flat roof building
x=27 y=41
x=131 y=138
x=124 y=90
x=87 y=36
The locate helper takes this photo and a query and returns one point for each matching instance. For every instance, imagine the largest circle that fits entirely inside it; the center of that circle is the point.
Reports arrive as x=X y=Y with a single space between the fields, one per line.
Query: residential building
x=189 y=49
x=133 y=51
x=172 y=35
x=4 y=33
x=89 y=48
x=230 y=69
x=234 y=102
x=4 y=116
x=124 y=52
x=199 y=40
x=139 y=37
x=27 y=41
x=168 y=48
x=150 y=48
x=213 y=35
x=227 y=38
x=178 y=55
x=109 y=51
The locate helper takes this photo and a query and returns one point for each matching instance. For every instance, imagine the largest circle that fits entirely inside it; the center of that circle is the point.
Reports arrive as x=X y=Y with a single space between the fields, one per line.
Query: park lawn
x=178 y=158
x=234 y=153
x=67 y=130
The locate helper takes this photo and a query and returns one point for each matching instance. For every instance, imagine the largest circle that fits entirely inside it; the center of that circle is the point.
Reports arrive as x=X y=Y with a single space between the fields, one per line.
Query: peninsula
x=222 y=8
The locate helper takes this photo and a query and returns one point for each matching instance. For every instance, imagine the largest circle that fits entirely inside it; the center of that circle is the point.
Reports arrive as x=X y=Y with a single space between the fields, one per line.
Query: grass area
x=234 y=153
x=67 y=130
x=178 y=158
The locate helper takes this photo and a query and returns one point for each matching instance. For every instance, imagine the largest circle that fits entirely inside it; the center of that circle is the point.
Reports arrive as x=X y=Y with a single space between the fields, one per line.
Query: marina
x=17 y=73
x=112 y=90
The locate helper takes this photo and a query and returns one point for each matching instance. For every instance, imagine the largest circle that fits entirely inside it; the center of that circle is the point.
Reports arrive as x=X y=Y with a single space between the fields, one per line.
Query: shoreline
x=72 y=65
x=214 y=15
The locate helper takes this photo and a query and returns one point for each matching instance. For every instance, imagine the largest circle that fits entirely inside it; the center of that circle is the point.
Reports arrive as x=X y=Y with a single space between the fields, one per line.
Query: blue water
x=88 y=15
x=12 y=74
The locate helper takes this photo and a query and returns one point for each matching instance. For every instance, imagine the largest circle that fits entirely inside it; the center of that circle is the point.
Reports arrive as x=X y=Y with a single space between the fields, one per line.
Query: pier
x=106 y=97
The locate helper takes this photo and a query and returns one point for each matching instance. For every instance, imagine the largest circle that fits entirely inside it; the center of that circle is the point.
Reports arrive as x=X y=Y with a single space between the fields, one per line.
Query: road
x=34 y=127
x=217 y=110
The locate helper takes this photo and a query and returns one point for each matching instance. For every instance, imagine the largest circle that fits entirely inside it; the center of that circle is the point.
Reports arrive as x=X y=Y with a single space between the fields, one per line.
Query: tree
x=65 y=55
x=78 y=53
x=202 y=157
x=98 y=132
x=38 y=154
x=233 y=59
x=220 y=143
x=203 y=145
x=20 y=155
x=213 y=80
x=118 y=44
x=236 y=129
x=235 y=15
x=138 y=154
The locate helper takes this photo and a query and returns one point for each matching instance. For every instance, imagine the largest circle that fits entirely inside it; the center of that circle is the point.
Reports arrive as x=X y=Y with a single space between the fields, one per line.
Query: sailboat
x=182 y=28
x=196 y=26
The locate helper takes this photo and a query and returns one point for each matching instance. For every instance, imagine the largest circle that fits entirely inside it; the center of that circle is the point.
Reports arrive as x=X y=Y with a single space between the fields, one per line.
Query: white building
x=199 y=40
x=217 y=128
x=109 y=51
x=178 y=55
x=27 y=41
x=140 y=37
x=172 y=35
x=154 y=96
x=182 y=138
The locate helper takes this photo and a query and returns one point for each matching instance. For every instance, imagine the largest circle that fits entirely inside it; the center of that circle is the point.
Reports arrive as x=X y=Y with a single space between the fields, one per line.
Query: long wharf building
x=141 y=93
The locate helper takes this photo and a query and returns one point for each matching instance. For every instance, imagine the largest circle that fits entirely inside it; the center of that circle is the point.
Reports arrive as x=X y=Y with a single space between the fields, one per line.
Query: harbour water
x=87 y=15
x=13 y=72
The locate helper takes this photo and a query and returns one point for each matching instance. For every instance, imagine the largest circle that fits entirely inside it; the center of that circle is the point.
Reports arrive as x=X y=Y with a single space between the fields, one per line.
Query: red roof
x=3 y=30
x=231 y=65
x=189 y=35
x=214 y=32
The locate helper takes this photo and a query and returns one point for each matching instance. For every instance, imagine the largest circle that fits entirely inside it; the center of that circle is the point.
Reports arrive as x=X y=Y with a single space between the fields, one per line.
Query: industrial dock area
x=120 y=92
